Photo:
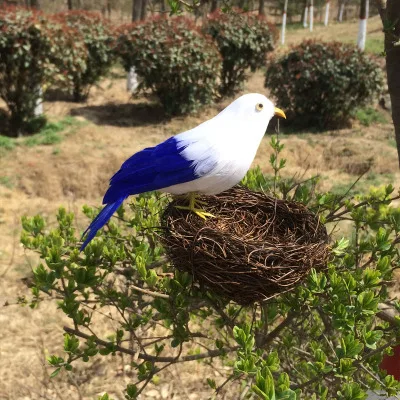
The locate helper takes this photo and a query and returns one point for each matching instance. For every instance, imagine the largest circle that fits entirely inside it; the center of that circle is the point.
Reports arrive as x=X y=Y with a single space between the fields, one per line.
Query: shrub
x=98 y=38
x=243 y=41
x=321 y=84
x=174 y=60
x=34 y=52
x=324 y=340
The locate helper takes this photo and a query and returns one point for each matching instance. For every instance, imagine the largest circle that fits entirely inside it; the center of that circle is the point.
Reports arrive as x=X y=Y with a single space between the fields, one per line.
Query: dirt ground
x=76 y=171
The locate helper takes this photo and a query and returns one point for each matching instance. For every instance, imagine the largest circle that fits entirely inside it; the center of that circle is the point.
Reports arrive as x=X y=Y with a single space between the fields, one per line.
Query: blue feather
x=101 y=219
x=153 y=168
x=150 y=169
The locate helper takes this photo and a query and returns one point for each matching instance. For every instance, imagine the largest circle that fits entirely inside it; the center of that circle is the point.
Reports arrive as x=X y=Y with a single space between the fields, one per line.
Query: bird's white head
x=254 y=108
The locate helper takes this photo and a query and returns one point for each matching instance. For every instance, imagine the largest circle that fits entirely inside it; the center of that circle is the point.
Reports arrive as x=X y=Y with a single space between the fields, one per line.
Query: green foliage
x=243 y=41
x=48 y=134
x=323 y=340
x=6 y=181
x=6 y=143
x=321 y=84
x=174 y=60
x=34 y=51
x=369 y=116
x=98 y=38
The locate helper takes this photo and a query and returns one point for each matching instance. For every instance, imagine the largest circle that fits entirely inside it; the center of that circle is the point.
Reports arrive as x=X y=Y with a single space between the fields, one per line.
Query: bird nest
x=255 y=247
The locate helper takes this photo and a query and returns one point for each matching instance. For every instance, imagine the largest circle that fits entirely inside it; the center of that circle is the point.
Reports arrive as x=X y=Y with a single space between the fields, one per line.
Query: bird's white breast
x=222 y=156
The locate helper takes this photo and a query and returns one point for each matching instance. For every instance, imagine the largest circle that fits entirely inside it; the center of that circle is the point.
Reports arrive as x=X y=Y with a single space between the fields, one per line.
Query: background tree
x=136 y=10
x=389 y=11
x=261 y=7
x=284 y=19
x=341 y=9
x=362 y=29
x=327 y=8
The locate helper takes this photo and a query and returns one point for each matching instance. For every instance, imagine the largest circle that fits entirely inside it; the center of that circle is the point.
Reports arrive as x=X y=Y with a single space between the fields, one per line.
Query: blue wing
x=151 y=169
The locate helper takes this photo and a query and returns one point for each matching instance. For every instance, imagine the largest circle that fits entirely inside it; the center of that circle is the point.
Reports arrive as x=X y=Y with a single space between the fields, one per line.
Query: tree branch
x=148 y=357
x=393 y=342
x=278 y=329
x=149 y=292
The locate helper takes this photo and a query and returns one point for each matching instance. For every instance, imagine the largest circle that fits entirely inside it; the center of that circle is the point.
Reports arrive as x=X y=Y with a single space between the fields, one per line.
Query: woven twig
x=255 y=248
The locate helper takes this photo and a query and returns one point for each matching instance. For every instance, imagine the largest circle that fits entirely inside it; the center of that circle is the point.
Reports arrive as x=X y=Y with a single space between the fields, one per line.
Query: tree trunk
x=284 y=16
x=136 y=10
x=362 y=28
x=305 y=15
x=132 y=80
x=35 y=4
x=108 y=9
x=38 y=111
x=342 y=5
x=242 y=4
x=163 y=6
x=143 y=12
x=69 y=3
x=390 y=14
x=327 y=6
x=311 y=11
x=261 y=7
x=214 y=6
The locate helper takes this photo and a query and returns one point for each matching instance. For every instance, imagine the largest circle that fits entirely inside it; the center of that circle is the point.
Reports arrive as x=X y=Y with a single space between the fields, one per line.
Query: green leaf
x=372 y=338
x=211 y=383
x=55 y=372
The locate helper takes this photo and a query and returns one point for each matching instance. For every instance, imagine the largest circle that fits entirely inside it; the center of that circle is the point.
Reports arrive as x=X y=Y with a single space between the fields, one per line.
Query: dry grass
x=342 y=32
x=41 y=179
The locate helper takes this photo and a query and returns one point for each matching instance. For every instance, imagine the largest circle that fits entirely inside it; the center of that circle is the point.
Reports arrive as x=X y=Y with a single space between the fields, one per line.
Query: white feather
x=223 y=148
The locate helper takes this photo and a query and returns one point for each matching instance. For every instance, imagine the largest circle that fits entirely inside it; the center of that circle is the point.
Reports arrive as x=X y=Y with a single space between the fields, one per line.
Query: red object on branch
x=391 y=364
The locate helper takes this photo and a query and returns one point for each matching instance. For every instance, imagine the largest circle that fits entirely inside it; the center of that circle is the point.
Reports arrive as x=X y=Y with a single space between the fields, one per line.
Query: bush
x=243 y=41
x=324 y=340
x=98 y=38
x=34 y=52
x=322 y=84
x=174 y=60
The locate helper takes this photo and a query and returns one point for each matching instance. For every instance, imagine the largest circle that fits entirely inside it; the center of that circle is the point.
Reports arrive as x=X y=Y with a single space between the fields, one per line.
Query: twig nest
x=255 y=247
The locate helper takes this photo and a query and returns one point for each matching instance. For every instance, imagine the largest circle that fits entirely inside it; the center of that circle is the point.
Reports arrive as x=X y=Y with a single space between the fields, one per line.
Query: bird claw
x=198 y=211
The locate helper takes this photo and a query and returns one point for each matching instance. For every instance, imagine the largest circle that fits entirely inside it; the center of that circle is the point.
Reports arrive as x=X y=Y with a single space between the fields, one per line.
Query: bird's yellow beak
x=279 y=113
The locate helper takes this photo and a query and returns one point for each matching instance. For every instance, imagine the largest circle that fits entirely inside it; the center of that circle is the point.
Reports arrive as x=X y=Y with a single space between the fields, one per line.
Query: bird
x=208 y=159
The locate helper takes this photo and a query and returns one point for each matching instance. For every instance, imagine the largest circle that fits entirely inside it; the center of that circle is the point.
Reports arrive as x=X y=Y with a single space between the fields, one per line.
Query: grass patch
x=6 y=143
x=369 y=116
x=50 y=134
x=364 y=185
x=7 y=182
x=374 y=45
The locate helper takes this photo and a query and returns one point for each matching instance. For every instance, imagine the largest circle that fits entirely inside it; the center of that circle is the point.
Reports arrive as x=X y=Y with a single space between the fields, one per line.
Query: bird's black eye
x=259 y=106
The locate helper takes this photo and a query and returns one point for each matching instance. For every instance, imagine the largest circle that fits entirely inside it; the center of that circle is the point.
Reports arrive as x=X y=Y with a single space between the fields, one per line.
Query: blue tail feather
x=101 y=219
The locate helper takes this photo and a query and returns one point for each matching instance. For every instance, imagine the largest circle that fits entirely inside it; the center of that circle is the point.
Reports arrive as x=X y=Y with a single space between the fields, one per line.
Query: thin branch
x=148 y=357
x=149 y=292
x=274 y=333
x=387 y=314
x=356 y=363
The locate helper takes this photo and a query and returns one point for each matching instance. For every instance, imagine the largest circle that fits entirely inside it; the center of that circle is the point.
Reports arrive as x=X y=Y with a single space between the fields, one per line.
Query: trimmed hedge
x=174 y=60
x=98 y=38
x=243 y=41
x=35 y=51
x=321 y=84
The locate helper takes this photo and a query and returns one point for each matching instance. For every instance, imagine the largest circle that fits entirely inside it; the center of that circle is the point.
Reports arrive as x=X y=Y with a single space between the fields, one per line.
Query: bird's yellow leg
x=195 y=206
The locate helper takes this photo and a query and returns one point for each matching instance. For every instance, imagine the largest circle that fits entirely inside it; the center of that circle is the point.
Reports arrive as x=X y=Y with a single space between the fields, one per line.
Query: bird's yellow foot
x=195 y=206
x=198 y=211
